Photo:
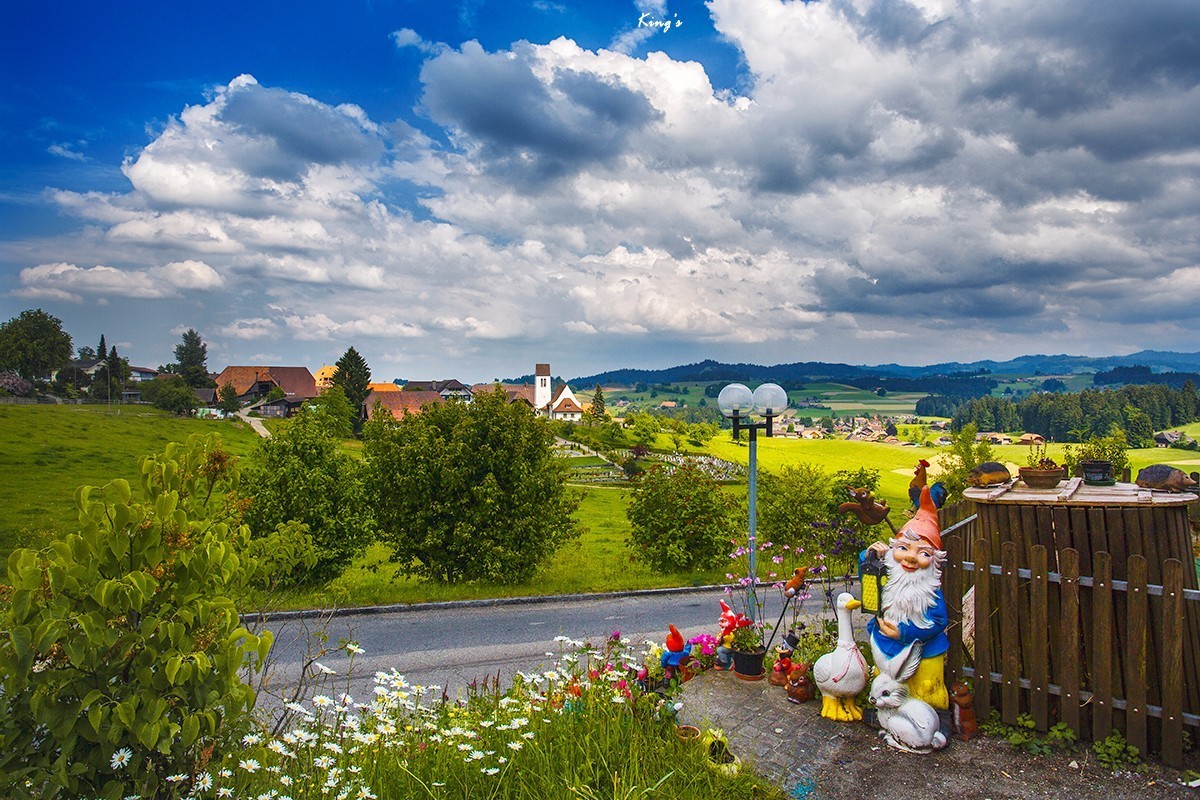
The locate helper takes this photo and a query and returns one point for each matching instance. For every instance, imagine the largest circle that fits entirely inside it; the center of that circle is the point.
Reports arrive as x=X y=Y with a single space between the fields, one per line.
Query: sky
x=465 y=188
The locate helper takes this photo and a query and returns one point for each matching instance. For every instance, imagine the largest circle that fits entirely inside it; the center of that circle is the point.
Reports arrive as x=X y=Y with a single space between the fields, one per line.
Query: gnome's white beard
x=908 y=595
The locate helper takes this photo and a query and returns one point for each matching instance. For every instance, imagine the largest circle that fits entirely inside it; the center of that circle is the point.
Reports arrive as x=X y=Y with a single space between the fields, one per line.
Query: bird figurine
x=920 y=478
x=863 y=505
x=842 y=673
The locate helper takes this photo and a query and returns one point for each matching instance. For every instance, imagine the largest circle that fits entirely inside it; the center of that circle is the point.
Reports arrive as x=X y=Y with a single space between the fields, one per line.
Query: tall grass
x=581 y=729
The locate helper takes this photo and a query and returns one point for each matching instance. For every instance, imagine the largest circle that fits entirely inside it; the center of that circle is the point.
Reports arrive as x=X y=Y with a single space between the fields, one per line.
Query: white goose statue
x=842 y=674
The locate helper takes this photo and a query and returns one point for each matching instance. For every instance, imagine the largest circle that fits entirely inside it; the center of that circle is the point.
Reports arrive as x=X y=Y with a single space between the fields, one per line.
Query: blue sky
x=462 y=189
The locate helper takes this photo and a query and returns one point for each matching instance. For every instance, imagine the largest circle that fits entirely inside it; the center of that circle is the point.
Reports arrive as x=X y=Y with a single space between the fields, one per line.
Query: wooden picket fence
x=1095 y=653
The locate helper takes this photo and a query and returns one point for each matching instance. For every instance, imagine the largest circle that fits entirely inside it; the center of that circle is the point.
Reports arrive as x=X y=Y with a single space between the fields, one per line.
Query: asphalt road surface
x=450 y=647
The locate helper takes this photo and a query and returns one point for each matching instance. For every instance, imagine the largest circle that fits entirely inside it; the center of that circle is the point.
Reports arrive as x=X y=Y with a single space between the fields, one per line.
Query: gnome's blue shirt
x=672 y=658
x=933 y=638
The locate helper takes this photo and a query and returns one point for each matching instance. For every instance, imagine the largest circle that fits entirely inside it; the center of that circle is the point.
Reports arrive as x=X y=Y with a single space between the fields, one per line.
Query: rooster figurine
x=920 y=479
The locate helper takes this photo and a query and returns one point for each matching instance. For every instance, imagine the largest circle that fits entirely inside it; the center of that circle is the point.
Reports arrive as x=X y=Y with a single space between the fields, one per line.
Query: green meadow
x=47 y=451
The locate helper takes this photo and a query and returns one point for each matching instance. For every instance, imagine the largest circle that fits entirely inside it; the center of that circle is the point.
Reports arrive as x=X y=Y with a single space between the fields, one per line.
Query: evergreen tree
x=102 y=350
x=353 y=375
x=599 y=412
x=191 y=360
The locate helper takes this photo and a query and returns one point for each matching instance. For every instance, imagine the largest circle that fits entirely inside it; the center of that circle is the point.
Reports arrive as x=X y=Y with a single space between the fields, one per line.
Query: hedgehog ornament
x=1165 y=478
x=989 y=473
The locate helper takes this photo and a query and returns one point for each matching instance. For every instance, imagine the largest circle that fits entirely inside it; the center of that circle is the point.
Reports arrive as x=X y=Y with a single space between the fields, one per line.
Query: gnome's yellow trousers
x=929 y=682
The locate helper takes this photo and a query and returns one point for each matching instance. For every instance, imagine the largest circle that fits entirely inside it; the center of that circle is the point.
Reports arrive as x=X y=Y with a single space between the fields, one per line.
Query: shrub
x=469 y=492
x=681 y=519
x=301 y=475
x=120 y=645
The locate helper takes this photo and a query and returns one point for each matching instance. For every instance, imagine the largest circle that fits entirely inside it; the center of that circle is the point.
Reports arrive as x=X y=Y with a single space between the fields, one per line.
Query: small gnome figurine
x=676 y=655
x=966 y=727
x=800 y=687
x=729 y=622
x=779 y=672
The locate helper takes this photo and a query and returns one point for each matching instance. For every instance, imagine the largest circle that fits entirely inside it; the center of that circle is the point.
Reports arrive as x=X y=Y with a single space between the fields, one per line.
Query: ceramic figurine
x=989 y=473
x=842 y=674
x=914 y=609
x=1164 y=477
x=675 y=656
x=965 y=725
x=729 y=622
x=907 y=723
x=800 y=687
x=779 y=672
x=863 y=505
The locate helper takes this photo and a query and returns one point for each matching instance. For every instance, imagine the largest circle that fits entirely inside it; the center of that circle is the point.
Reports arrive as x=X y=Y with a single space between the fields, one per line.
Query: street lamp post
x=738 y=403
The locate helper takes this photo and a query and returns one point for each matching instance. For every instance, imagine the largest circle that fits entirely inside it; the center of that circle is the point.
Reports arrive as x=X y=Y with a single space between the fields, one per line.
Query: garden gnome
x=913 y=606
x=729 y=622
x=675 y=655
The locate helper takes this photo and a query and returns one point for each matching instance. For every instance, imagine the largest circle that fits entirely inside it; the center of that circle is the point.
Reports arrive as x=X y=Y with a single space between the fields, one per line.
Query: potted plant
x=749 y=651
x=1041 y=472
x=1100 y=459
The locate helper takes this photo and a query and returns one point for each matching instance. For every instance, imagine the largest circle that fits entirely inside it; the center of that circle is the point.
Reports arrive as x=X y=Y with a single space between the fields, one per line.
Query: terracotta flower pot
x=688 y=733
x=1036 y=478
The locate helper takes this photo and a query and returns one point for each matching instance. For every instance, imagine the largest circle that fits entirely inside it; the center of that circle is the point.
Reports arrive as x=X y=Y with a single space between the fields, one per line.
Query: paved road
x=450 y=647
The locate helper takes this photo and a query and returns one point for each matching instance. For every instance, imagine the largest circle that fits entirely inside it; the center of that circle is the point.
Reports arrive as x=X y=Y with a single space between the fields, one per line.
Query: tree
x=301 y=475
x=469 y=491
x=227 y=398
x=110 y=377
x=599 y=412
x=101 y=350
x=353 y=376
x=334 y=411
x=963 y=455
x=87 y=354
x=173 y=395
x=191 y=360
x=33 y=344
x=680 y=519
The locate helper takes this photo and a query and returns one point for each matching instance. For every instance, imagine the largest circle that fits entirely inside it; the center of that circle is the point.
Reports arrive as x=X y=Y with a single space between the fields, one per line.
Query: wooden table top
x=1074 y=492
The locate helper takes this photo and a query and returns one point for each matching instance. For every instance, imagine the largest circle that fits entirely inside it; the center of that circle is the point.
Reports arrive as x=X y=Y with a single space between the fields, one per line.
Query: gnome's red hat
x=924 y=524
x=674 y=640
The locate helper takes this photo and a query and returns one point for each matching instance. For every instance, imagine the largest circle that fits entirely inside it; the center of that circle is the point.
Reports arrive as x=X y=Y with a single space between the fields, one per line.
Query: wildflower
x=527 y=735
x=321 y=701
x=475 y=755
x=333 y=747
x=177 y=777
x=121 y=758
x=251 y=739
x=203 y=783
x=225 y=773
x=248 y=764
x=352 y=647
x=515 y=745
x=490 y=770
x=224 y=791
x=324 y=762
x=324 y=669
x=285 y=780
x=365 y=794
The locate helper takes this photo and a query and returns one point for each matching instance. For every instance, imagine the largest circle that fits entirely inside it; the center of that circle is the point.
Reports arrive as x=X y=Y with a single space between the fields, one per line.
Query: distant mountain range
x=1156 y=360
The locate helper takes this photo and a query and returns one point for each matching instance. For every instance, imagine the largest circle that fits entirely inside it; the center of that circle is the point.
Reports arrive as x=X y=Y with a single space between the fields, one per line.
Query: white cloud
x=64 y=150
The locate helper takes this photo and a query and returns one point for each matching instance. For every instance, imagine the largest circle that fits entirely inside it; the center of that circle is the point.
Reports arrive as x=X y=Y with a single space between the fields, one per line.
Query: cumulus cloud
x=920 y=176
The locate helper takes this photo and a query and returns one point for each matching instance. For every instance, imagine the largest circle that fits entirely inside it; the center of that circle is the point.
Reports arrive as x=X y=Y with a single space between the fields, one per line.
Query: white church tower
x=541 y=388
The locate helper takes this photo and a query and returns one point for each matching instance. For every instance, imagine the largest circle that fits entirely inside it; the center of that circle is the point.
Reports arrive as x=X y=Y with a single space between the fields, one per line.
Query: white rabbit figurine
x=907 y=723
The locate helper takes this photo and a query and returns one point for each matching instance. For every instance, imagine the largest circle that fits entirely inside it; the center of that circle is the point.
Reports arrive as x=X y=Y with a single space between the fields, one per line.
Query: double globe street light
x=738 y=404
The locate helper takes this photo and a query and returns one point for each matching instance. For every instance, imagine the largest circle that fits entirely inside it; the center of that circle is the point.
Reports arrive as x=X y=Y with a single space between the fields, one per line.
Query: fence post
x=953 y=591
x=1102 y=644
x=983 y=629
x=1137 y=606
x=1172 y=663
x=1010 y=636
x=1069 y=678
x=1039 y=640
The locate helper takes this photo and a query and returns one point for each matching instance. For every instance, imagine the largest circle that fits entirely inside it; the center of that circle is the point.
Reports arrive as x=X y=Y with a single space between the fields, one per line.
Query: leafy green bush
x=680 y=519
x=1112 y=448
x=469 y=492
x=120 y=645
x=1116 y=753
x=300 y=474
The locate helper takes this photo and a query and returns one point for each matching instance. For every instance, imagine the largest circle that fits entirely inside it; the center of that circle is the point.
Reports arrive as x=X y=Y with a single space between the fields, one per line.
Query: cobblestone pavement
x=812 y=757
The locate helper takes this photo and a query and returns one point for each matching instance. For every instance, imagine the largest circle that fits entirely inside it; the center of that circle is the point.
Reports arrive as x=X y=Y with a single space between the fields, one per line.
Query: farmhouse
x=253 y=384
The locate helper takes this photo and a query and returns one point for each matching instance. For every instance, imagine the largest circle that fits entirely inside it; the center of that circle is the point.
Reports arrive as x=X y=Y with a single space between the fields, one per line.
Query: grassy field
x=47 y=451
x=842 y=400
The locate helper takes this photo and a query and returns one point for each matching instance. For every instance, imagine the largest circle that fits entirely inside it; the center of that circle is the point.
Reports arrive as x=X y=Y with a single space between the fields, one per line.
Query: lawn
x=47 y=451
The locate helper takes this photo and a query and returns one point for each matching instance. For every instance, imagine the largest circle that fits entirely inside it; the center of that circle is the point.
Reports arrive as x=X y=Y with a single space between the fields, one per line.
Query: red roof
x=295 y=381
x=400 y=403
x=514 y=391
